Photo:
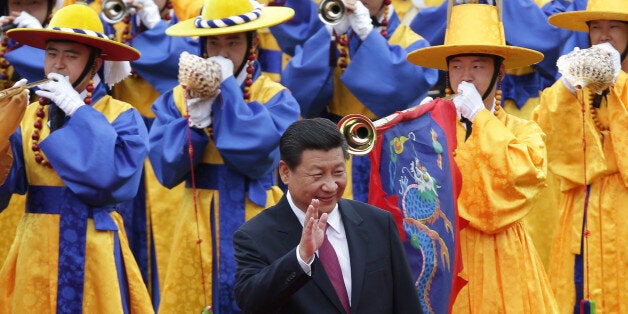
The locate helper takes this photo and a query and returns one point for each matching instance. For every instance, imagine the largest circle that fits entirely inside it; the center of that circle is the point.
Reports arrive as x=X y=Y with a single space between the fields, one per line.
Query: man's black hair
x=310 y=134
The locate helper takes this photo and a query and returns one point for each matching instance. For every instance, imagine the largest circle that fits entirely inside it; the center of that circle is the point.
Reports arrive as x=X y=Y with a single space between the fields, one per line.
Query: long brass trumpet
x=331 y=12
x=361 y=133
x=114 y=11
x=11 y=91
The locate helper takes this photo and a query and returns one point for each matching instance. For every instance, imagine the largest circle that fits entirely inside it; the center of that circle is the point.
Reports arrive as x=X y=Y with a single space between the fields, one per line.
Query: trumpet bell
x=113 y=11
x=331 y=12
x=359 y=132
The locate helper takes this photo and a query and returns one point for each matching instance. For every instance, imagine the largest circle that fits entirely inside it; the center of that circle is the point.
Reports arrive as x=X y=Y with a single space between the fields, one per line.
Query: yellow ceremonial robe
x=503 y=167
x=606 y=264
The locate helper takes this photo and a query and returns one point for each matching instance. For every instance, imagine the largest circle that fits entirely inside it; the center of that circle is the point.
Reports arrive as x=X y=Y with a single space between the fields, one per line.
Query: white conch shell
x=200 y=76
x=591 y=68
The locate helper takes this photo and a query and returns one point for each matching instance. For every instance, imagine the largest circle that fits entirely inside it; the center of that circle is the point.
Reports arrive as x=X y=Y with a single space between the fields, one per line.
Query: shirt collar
x=333 y=218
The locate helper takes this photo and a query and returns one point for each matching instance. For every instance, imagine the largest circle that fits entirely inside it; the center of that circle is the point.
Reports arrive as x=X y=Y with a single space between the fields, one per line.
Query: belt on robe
x=74 y=214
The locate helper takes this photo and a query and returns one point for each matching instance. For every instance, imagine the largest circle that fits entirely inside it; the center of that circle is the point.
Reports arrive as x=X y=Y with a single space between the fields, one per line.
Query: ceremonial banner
x=414 y=176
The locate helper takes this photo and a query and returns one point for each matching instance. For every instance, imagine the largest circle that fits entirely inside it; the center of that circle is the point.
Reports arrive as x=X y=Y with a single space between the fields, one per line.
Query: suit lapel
x=357 y=239
x=288 y=225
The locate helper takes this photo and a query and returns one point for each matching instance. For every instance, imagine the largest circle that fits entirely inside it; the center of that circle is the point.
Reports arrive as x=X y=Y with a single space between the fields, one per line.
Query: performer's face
x=231 y=46
x=37 y=8
x=321 y=175
x=477 y=70
x=613 y=32
x=69 y=59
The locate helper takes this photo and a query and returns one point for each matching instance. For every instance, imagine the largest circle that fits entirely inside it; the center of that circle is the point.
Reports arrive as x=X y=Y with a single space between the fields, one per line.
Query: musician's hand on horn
x=615 y=58
x=25 y=20
x=360 y=20
x=341 y=28
x=468 y=101
x=226 y=66
x=200 y=110
x=148 y=12
x=60 y=91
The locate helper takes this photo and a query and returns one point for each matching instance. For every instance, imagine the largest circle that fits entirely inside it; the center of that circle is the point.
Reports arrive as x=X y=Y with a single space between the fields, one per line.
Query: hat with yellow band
x=474 y=29
x=77 y=23
x=612 y=10
x=219 y=17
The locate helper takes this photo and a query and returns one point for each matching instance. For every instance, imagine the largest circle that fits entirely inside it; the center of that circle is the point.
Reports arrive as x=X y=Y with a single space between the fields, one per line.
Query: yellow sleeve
x=560 y=116
x=503 y=166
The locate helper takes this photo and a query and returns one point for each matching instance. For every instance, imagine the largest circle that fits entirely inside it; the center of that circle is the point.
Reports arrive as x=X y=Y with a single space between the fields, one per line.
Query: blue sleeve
x=393 y=83
x=539 y=34
x=308 y=75
x=99 y=161
x=169 y=145
x=28 y=62
x=431 y=23
x=247 y=134
x=297 y=30
x=159 y=62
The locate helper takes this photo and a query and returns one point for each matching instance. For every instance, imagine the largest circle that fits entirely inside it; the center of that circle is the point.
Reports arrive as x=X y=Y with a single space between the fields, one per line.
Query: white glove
x=61 y=92
x=341 y=28
x=360 y=20
x=426 y=100
x=26 y=20
x=468 y=101
x=200 y=110
x=148 y=12
x=226 y=67
x=615 y=57
x=23 y=82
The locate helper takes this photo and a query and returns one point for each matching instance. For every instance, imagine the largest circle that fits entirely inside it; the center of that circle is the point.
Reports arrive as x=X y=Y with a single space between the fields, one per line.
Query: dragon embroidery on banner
x=420 y=205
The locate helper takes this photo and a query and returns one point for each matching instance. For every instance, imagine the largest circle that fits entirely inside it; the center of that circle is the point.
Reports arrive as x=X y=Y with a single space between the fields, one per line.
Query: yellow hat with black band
x=77 y=23
x=611 y=10
x=474 y=29
x=219 y=17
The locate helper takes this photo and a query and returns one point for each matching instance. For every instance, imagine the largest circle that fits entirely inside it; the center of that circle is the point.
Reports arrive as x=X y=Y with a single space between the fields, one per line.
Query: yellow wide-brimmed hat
x=612 y=10
x=77 y=23
x=219 y=17
x=474 y=29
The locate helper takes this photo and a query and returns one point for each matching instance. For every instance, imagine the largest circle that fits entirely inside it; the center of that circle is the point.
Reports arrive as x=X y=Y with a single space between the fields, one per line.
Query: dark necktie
x=329 y=259
x=468 y=124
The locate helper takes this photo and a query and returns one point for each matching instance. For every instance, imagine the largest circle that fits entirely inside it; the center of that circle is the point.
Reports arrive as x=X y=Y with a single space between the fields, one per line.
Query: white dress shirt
x=337 y=238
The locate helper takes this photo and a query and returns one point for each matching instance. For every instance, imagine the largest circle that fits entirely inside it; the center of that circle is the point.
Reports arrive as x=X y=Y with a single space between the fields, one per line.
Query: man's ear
x=255 y=42
x=284 y=172
x=502 y=72
x=98 y=62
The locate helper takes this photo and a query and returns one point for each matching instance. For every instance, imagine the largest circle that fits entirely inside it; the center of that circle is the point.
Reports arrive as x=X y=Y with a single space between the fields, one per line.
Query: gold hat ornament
x=474 y=29
x=77 y=23
x=219 y=17
x=612 y=10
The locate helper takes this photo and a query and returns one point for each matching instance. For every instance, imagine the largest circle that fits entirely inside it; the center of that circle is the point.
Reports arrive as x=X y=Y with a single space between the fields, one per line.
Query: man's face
x=477 y=70
x=69 y=59
x=613 y=32
x=37 y=8
x=321 y=175
x=231 y=46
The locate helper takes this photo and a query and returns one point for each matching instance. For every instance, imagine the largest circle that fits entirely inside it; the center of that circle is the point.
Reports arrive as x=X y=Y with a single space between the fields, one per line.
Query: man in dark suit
x=281 y=253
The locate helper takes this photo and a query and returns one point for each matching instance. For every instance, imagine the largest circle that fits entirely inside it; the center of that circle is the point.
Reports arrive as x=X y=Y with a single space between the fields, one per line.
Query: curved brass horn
x=331 y=12
x=114 y=11
x=359 y=132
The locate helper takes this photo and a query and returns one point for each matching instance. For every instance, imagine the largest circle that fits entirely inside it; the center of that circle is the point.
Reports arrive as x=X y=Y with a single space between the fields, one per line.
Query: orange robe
x=503 y=167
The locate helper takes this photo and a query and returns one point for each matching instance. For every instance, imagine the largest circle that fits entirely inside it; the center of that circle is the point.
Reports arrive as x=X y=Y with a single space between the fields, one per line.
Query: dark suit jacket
x=269 y=278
